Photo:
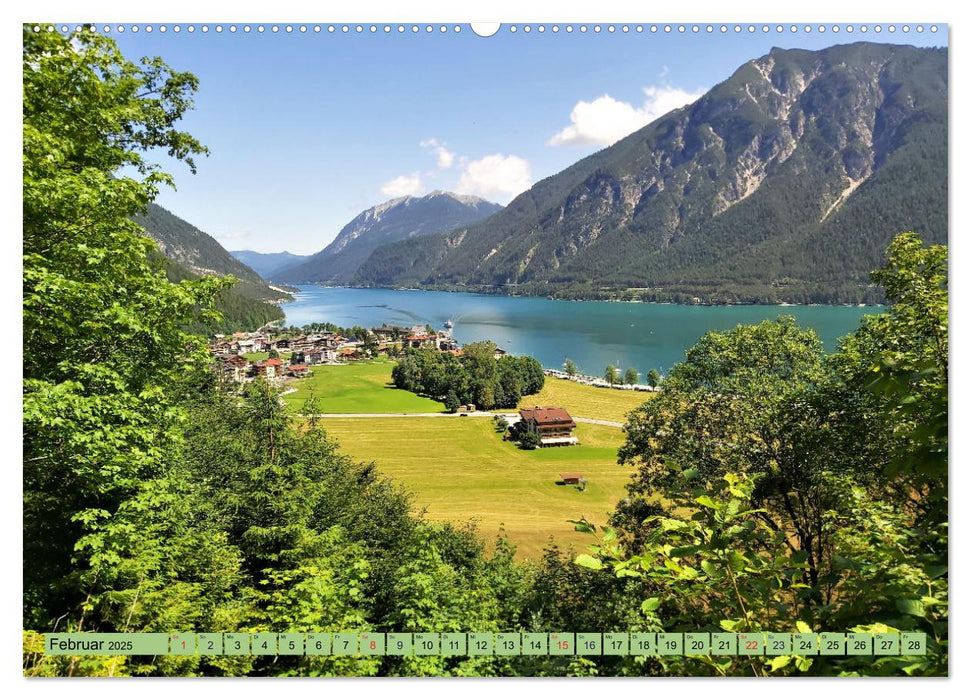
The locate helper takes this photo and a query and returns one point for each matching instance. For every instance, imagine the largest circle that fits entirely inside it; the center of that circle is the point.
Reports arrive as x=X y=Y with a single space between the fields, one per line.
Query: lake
x=592 y=333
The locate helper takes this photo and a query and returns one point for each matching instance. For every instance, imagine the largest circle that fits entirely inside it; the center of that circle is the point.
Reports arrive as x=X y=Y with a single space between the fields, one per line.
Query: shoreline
x=781 y=304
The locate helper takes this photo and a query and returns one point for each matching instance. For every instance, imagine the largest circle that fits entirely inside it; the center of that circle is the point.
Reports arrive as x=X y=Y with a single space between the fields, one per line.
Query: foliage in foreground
x=803 y=492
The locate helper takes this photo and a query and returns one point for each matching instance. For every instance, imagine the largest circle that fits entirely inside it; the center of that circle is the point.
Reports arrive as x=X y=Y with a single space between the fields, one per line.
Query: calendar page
x=493 y=349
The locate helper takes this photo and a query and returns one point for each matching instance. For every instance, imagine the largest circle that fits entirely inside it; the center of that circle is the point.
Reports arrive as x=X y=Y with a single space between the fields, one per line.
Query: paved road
x=475 y=414
x=598 y=421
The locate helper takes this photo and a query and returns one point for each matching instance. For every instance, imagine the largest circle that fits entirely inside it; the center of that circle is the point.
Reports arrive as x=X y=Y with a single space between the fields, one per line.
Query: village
x=240 y=357
x=291 y=356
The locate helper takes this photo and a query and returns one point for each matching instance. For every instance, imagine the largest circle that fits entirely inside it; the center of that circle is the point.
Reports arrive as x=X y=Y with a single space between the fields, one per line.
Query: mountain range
x=266 y=264
x=785 y=182
x=400 y=219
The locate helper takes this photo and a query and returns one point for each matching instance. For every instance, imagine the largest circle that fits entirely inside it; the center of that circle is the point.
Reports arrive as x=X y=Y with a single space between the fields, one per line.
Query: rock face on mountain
x=783 y=183
x=399 y=219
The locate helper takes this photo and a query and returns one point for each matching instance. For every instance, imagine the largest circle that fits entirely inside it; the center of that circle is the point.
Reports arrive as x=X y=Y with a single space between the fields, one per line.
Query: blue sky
x=307 y=130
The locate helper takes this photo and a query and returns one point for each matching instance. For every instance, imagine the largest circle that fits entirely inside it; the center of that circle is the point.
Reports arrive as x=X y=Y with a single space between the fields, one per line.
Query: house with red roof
x=270 y=369
x=551 y=424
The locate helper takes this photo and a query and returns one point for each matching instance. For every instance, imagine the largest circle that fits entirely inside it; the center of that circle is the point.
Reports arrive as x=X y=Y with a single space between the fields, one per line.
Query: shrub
x=528 y=440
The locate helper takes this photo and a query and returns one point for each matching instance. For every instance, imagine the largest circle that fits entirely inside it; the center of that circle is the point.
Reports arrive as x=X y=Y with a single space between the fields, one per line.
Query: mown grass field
x=358 y=387
x=587 y=401
x=459 y=469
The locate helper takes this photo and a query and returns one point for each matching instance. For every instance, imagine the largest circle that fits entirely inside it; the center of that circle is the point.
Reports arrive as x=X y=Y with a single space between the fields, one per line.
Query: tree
x=451 y=402
x=823 y=500
x=711 y=560
x=369 y=343
x=528 y=440
x=570 y=367
x=610 y=375
x=630 y=376
x=104 y=352
x=653 y=377
x=508 y=388
x=530 y=371
x=274 y=354
x=479 y=361
x=407 y=372
x=744 y=401
x=908 y=349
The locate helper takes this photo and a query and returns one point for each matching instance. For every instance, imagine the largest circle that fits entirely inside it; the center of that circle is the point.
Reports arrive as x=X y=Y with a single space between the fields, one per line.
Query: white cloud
x=444 y=157
x=403 y=185
x=495 y=176
x=606 y=120
x=233 y=235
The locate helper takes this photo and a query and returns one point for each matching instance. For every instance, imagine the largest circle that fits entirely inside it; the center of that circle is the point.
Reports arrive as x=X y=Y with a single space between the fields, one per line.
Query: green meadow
x=357 y=387
x=459 y=469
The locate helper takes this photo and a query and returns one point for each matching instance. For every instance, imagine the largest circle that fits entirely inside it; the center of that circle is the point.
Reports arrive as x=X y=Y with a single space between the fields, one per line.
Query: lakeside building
x=384 y=332
x=445 y=342
x=419 y=340
x=553 y=425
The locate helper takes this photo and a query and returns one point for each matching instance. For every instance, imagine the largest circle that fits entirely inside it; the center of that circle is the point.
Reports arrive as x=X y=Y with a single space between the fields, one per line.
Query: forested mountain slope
x=783 y=183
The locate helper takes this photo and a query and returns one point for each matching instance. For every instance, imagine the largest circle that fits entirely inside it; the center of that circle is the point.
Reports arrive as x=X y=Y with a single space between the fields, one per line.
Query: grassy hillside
x=191 y=253
x=240 y=305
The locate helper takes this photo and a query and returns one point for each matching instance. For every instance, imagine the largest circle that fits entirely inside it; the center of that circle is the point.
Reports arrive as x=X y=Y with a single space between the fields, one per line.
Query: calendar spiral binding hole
x=511 y=29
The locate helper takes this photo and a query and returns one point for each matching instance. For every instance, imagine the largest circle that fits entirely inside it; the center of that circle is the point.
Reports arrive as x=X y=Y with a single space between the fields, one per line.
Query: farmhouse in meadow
x=553 y=425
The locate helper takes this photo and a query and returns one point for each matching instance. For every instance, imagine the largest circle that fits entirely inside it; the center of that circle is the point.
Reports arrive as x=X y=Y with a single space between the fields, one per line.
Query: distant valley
x=267 y=264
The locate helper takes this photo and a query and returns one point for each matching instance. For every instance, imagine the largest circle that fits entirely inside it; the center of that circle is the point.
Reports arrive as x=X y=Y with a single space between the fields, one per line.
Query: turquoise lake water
x=592 y=333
